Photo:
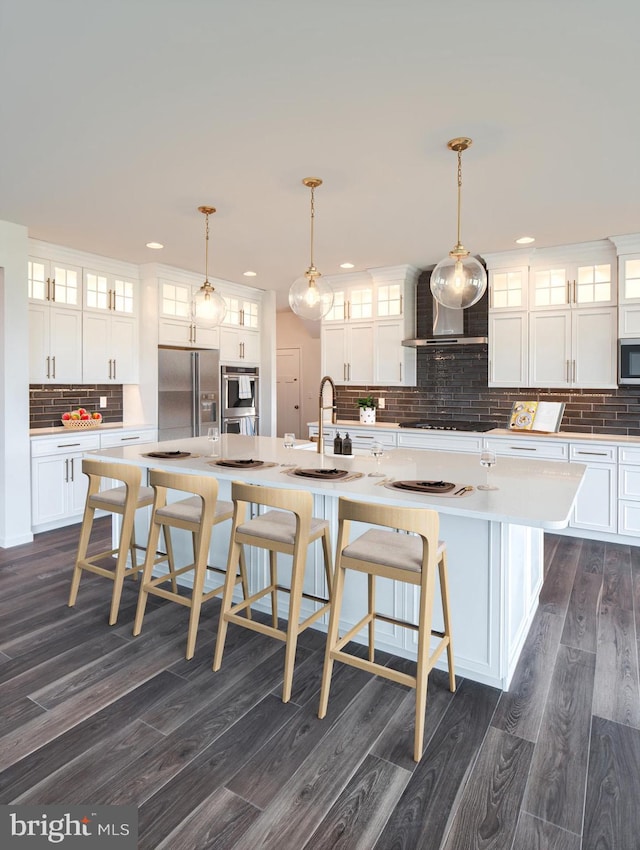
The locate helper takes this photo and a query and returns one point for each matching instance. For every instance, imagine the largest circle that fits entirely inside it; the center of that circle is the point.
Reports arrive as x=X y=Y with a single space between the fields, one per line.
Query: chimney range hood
x=448 y=329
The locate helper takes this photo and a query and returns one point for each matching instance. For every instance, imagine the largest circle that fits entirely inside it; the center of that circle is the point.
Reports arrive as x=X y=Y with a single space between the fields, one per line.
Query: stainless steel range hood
x=448 y=329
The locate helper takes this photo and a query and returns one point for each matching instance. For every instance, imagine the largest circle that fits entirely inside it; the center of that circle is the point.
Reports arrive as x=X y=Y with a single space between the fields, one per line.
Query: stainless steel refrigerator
x=188 y=392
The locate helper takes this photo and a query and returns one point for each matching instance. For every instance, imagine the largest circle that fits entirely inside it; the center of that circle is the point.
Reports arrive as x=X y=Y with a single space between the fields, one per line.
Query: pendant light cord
x=459 y=190
x=313 y=215
x=206 y=250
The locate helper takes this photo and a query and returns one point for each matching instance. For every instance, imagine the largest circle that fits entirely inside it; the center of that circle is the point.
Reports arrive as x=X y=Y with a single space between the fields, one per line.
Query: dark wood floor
x=91 y=714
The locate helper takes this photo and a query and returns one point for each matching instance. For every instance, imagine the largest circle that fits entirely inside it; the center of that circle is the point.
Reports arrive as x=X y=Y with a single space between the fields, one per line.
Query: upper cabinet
x=628 y=248
x=109 y=293
x=175 y=316
x=239 y=332
x=55 y=321
x=552 y=317
x=362 y=335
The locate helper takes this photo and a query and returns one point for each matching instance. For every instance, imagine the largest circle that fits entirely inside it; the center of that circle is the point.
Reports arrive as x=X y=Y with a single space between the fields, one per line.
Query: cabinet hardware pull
x=401 y=297
x=344 y=371
x=574 y=371
x=195 y=333
x=48 y=298
x=109 y=369
x=349 y=371
x=595 y=454
x=400 y=365
x=53 y=289
x=67 y=445
x=568 y=372
x=523 y=448
x=53 y=363
x=72 y=474
x=66 y=469
x=114 y=369
x=48 y=367
x=568 y=292
x=122 y=439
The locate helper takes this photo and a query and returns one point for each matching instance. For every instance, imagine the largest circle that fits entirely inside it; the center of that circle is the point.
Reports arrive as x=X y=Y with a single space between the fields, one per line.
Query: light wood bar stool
x=410 y=558
x=198 y=514
x=289 y=529
x=125 y=501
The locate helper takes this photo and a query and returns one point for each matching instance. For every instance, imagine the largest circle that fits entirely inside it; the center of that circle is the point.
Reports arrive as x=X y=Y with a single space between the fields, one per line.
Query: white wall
x=15 y=475
x=292 y=332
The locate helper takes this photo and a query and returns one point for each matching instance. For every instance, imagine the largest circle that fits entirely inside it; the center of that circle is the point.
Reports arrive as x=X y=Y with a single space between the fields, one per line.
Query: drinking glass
x=376 y=451
x=287 y=441
x=213 y=436
x=487 y=460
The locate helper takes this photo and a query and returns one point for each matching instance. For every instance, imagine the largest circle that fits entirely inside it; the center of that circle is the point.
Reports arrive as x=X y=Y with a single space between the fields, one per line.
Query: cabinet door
x=39 y=357
x=549 y=288
x=65 y=345
x=596 y=505
x=334 y=352
x=389 y=353
x=508 y=288
x=630 y=279
x=77 y=486
x=175 y=332
x=550 y=349
x=49 y=486
x=389 y=300
x=508 y=350
x=361 y=354
x=594 y=347
x=229 y=344
x=124 y=349
x=205 y=337
x=250 y=341
x=175 y=300
x=96 y=354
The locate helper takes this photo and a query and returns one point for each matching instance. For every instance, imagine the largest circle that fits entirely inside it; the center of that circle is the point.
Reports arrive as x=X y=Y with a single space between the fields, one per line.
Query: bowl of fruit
x=80 y=419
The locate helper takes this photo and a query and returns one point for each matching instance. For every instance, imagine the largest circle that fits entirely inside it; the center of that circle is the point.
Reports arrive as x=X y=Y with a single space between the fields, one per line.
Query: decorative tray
x=81 y=424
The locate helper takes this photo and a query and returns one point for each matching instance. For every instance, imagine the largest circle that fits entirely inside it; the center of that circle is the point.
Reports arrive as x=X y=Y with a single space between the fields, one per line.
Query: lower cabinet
x=629 y=491
x=58 y=485
x=596 y=507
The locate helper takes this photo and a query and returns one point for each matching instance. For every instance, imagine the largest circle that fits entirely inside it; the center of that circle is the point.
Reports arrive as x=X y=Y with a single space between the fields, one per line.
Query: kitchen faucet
x=332 y=407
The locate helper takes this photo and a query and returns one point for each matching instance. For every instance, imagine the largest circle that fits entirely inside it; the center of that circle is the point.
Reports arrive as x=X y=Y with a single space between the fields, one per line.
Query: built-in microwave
x=629 y=361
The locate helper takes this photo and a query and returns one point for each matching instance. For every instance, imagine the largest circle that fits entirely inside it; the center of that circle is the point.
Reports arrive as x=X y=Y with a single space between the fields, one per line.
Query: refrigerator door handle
x=195 y=394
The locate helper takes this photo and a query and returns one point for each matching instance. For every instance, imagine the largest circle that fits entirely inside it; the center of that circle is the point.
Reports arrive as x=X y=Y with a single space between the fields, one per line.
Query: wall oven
x=240 y=400
x=629 y=361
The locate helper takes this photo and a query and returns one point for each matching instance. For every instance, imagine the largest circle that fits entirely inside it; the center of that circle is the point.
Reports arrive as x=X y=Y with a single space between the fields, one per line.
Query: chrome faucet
x=321 y=409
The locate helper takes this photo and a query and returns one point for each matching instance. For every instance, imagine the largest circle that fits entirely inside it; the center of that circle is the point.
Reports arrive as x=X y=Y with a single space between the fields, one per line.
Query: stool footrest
x=372 y=667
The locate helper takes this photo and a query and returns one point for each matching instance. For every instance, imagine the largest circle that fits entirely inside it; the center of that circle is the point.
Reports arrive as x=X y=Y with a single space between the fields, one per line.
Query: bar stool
x=198 y=514
x=410 y=558
x=289 y=529
x=125 y=501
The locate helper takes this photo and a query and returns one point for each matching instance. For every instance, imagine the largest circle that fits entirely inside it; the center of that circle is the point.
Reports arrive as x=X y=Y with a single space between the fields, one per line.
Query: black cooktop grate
x=450 y=425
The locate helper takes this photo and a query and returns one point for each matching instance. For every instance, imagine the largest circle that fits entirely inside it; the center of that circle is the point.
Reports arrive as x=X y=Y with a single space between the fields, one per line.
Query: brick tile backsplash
x=452 y=384
x=47 y=402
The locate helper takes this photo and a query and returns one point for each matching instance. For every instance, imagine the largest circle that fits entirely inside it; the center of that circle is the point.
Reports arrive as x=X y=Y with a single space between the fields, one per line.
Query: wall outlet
x=381 y=403
x=103 y=401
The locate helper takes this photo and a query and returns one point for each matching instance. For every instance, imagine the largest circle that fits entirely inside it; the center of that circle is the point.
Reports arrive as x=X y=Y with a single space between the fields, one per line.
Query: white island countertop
x=534 y=493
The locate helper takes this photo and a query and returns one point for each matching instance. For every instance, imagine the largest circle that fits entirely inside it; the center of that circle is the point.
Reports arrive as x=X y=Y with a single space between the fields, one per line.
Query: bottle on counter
x=337 y=444
x=346 y=445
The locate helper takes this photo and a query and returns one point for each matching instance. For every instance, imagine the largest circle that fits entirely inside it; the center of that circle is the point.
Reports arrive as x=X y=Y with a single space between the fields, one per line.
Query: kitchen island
x=494 y=537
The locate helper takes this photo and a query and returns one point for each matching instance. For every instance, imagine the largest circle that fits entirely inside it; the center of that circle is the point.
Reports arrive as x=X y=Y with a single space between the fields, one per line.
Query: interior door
x=288 y=391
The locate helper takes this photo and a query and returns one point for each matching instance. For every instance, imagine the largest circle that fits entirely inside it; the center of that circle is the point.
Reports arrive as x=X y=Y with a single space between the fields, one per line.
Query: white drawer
x=468 y=443
x=629 y=518
x=629 y=454
x=525 y=447
x=125 y=438
x=584 y=453
x=364 y=439
x=64 y=444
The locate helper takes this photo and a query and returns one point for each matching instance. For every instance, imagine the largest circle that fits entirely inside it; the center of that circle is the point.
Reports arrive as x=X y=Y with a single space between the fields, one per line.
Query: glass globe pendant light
x=208 y=306
x=310 y=297
x=459 y=280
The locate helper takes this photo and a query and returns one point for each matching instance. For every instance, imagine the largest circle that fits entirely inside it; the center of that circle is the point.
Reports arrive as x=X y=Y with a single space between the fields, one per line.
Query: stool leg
x=168 y=545
x=121 y=562
x=244 y=581
x=371 y=581
x=422 y=674
x=227 y=599
x=200 y=569
x=273 y=573
x=444 y=592
x=152 y=545
x=328 y=562
x=83 y=545
x=293 y=626
x=332 y=637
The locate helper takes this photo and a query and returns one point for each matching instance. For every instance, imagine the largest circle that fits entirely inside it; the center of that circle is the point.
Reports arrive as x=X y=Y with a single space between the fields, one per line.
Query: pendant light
x=208 y=306
x=310 y=297
x=459 y=280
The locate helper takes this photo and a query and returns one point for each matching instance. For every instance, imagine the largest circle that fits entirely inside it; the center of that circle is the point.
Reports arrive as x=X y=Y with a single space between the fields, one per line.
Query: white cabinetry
x=239 y=332
x=508 y=349
x=110 y=332
x=596 y=505
x=58 y=485
x=628 y=248
x=362 y=334
x=629 y=491
x=55 y=322
x=176 y=325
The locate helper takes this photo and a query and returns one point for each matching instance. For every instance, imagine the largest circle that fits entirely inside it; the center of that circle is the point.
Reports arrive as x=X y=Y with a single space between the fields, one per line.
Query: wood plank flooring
x=216 y=761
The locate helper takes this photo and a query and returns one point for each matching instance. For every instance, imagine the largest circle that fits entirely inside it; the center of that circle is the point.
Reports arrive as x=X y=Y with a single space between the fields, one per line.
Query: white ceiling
x=119 y=118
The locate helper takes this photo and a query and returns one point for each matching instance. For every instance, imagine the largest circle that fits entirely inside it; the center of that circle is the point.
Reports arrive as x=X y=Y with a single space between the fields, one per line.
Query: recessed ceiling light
x=525 y=240
x=155 y=245
x=346 y=265
x=249 y=274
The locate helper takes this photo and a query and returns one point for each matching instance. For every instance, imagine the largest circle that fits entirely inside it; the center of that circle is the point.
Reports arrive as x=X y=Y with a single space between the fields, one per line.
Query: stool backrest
x=205 y=486
x=421 y=521
x=299 y=502
x=129 y=475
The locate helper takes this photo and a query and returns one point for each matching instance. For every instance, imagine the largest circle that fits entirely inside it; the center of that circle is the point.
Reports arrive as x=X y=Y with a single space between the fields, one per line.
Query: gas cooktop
x=451 y=425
